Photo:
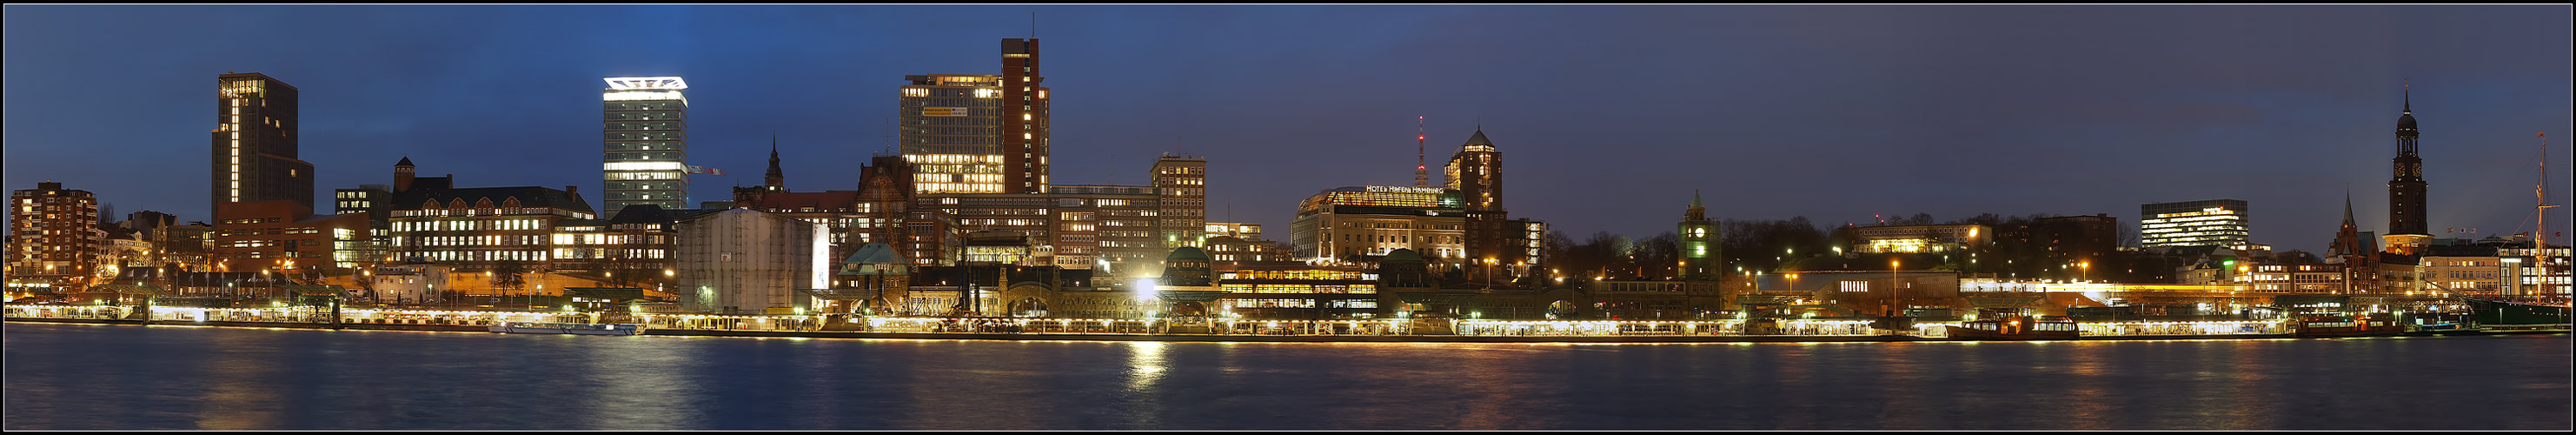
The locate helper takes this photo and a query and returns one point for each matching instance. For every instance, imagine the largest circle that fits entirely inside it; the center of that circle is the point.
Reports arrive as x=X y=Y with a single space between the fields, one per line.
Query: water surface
x=88 y=377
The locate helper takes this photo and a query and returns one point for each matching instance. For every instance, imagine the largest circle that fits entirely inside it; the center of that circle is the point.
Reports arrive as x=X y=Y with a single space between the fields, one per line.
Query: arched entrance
x=1027 y=299
x=1028 y=307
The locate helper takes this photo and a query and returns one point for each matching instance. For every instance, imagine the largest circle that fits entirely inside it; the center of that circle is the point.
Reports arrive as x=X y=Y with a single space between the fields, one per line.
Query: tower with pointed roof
x=776 y=180
x=1476 y=172
x=1699 y=248
x=2406 y=228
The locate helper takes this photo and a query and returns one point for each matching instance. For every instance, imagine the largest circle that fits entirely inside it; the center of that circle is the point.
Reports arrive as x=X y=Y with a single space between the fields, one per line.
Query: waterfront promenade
x=1217 y=330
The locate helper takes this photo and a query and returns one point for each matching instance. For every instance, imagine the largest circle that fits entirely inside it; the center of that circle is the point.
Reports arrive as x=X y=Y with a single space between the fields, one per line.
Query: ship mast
x=2540 y=216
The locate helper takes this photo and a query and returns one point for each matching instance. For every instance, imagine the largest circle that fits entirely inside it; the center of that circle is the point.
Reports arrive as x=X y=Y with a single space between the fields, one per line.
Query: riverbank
x=1235 y=337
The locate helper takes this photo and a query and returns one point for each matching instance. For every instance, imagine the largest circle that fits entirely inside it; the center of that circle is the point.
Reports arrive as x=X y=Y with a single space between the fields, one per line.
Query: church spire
x=776 y=180
x=2347 y=208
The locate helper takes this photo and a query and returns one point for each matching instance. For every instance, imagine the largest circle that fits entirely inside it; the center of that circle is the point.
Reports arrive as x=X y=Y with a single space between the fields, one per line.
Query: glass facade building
x=952 y=125
x=645 y=147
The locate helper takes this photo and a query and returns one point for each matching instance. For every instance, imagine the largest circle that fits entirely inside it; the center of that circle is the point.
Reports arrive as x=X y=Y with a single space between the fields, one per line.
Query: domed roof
x=2406 y=120
x=1186 y=253
x=1402 y=255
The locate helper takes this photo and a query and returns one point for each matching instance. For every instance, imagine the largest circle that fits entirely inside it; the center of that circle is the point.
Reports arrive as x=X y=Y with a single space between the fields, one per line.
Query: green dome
x=1186 y=253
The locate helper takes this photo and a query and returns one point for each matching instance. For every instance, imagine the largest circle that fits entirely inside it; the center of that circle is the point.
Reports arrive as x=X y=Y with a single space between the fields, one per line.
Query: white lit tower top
x=646 y=147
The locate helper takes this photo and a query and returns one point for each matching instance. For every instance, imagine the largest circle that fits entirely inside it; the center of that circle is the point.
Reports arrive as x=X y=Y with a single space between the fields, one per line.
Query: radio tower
x=1421 y=172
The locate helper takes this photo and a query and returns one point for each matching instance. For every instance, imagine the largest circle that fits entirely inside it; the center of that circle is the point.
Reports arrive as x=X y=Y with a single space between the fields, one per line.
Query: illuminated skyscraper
x=644 y=157
x=254 y=142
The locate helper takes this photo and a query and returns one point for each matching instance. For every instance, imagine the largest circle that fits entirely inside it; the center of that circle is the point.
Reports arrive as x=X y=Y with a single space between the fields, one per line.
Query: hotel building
x=254 y=151
x=1349 y=224
x=645 y=147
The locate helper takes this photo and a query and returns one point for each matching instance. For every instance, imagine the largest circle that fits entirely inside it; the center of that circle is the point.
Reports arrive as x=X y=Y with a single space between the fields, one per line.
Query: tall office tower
x=1024 y=118
x=53 y=236
x=951 y=133
x=1699 y=247
x=2406 y=233
x=1180 y=188
x=979 y=133
x=254 y=142
x=2215 y=222
x=644 y=158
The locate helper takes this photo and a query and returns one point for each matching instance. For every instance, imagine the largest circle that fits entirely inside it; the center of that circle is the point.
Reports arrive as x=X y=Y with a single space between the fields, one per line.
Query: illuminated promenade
x=1462 y=330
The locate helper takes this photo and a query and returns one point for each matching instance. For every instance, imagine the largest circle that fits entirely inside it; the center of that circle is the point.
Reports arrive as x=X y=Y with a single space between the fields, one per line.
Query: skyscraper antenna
x=1421 y=170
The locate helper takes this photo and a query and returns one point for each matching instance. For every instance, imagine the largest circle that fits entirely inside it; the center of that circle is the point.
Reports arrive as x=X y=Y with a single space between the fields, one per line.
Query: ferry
x=2339 y=326
x=2014 y=328
x=568 y=328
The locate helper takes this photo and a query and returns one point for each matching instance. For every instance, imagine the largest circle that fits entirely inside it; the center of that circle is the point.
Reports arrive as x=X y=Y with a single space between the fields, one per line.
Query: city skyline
x=2304 y=106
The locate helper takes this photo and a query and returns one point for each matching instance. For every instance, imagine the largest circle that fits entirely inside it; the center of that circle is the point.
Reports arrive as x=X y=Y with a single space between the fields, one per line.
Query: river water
x=84 y=377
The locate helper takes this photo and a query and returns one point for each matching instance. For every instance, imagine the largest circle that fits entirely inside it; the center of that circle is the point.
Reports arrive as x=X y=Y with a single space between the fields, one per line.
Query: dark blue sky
x=1608 y=116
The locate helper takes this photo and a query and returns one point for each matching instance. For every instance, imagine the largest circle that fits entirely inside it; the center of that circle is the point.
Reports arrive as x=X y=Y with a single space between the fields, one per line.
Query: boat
x=2014 y=328
x=568 y=328
x=2340 y=326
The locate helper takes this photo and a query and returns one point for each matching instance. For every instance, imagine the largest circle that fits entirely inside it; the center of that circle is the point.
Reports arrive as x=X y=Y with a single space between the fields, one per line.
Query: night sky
x=1607 y=116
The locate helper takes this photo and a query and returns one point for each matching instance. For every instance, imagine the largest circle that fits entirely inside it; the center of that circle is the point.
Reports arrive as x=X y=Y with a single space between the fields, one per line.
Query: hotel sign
x=943 y=111
x=1403 y=189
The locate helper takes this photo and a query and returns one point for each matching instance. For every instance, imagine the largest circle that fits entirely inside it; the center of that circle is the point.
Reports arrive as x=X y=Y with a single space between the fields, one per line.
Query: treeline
x=1795 y=244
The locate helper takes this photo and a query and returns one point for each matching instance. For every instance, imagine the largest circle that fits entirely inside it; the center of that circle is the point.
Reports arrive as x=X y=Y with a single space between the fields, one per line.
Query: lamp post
x=1891 y=290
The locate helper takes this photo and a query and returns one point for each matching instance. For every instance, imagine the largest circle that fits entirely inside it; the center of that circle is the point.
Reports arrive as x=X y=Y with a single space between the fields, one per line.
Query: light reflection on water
x=123 y=377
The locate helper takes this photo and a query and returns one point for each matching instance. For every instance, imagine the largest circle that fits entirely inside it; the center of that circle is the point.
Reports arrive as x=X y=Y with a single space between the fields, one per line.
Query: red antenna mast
x=1421 y=172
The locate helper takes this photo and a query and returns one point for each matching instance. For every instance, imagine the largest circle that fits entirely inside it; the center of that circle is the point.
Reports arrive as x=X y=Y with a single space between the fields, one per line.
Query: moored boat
x=2340 y=326
x=2014 y=328
x=568 y=328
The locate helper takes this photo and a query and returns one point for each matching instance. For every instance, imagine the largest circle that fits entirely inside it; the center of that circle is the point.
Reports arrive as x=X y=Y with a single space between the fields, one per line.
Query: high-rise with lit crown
x=645 y=147
x=255 y=142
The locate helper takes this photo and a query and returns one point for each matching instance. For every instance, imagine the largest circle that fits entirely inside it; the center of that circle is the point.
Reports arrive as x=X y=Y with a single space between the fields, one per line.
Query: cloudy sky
x=1608 y=116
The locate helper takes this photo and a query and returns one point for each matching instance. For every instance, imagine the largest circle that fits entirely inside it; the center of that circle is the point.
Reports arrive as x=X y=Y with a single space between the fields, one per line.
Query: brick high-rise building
x=53 y=237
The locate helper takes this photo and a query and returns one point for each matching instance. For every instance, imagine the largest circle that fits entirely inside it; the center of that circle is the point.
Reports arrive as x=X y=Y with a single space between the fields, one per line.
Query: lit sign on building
x=943 y=111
